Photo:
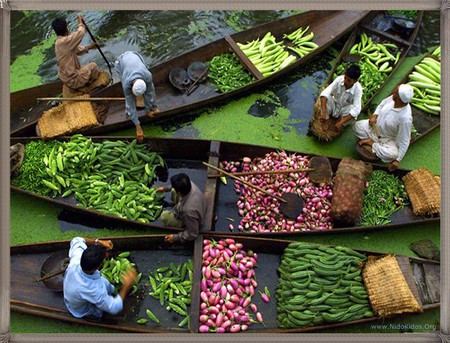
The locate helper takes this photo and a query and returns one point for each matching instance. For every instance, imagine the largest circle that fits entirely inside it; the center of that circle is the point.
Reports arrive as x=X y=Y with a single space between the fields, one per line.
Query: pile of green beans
x=113 y=268
x=385 y=195
x=411 y=14
x=32 y=172
x=227 y=73
x=172 y=284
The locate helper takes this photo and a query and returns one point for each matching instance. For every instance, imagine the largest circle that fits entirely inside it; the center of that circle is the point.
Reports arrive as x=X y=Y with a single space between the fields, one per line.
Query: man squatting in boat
x=87 y=294
x=189 y=209
x=387 y=134
x=342 y=99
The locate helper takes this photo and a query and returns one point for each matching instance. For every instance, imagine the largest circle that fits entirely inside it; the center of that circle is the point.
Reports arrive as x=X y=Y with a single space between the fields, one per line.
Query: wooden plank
x=405 y=267
x=432 y=279
x=211 y=186
x=420 y=283
x=244 y=59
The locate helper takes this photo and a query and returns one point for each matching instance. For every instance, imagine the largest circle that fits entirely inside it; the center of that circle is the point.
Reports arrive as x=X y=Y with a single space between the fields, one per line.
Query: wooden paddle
x=98 y=47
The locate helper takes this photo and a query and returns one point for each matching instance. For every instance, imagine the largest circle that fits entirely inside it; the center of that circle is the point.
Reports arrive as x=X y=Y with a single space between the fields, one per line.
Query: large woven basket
x=67 y=118
x=316 y=128
x=424 y=191
x=388 y=290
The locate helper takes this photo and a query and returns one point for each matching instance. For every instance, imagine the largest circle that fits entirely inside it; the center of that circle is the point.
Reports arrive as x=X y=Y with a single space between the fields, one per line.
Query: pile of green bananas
x=377 y=55
x=320 y=284
x=270 y=56
x=110 y=177
x=437 y=52
x=113 y=268
x=303 y=43
x=426 y=82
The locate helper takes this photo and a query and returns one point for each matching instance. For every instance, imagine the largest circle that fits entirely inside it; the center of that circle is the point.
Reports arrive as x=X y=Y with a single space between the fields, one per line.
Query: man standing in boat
x=87 y=294
x=342 y=99
x=387 y=134
x=75 y=77
x=189 y=210
x=136 y=81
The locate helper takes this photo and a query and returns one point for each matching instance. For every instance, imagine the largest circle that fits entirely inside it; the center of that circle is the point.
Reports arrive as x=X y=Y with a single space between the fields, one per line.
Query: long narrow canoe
x=148 y=253
x=369 y=27
x=328 y=27
x=184 y=155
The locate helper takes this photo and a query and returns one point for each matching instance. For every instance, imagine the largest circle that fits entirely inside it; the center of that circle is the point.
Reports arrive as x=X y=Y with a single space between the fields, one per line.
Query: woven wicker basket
x=424 y=191
x=387 y=288
x=315 y=126
x=67 y=119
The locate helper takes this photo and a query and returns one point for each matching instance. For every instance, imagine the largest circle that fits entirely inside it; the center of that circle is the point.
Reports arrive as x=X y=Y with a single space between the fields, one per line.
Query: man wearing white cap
x=136 y=81
x=387 y=134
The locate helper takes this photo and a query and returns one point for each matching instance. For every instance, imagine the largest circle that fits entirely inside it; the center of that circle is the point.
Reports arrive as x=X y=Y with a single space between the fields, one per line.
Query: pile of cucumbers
x=112 y=177
x=113 y=268
x=320 y=284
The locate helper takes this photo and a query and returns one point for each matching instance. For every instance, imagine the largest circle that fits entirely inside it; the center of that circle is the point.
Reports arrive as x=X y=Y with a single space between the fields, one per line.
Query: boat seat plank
x=405 y=267
x=386 y=35
x=244 y=59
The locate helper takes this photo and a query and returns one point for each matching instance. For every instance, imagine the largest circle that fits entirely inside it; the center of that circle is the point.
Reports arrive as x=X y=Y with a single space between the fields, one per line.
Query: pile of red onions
x=227 y=286
x=261 y=213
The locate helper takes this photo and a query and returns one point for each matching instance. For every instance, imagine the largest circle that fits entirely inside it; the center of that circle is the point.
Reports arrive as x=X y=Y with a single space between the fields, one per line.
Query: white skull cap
x=405 y=92
x=139 y=87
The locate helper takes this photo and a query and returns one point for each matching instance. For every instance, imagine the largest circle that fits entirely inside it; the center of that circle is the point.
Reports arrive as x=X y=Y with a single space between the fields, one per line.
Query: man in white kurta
x=393 y=119
x=342 y=99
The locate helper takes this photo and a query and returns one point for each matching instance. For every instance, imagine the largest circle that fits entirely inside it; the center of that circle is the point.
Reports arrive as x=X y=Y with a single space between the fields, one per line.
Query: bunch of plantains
x=377 y=61
x=319 y=285
x=172 y=284
x=110 y=177
x=113 y=268
x=270 y=56
x=426 y=82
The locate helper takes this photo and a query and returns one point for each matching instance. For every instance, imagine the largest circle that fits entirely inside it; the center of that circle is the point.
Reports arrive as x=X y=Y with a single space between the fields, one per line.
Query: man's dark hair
x=353 y=72
x=92 y=257
x=181 y=183
x=60 y=26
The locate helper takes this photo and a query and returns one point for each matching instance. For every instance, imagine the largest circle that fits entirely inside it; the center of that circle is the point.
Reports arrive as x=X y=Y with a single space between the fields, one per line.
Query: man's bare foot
x=366 y=141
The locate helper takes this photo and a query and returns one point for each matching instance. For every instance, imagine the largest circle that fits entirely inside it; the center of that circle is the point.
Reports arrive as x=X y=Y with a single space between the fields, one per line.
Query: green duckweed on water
x=25 y=67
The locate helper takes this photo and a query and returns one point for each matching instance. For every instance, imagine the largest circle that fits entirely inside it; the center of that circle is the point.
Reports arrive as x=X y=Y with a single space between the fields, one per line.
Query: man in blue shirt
x=136 y=81
x=86 y=293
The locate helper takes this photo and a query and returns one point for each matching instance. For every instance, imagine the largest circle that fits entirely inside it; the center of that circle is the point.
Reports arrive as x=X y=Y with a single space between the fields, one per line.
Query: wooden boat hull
x=328 y=27
x=184 y=155
x=31 y=297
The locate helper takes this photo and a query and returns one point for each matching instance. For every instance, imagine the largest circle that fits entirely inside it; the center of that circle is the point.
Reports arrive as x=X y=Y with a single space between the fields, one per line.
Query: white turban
x=405 y=92
x=139 y=87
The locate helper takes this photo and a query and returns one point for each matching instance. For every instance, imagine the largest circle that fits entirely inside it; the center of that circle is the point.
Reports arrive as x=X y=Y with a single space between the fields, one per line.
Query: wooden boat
x=184 y=155
x=148 y=253
x=328 y=26
x=371 y=27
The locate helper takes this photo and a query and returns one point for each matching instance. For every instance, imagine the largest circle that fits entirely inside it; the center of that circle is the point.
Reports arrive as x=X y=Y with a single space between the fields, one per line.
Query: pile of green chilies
x=384 y=196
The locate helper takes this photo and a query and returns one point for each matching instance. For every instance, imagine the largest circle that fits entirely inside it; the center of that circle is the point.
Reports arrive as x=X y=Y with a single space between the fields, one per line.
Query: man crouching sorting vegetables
x=342 y=99
x=387 y=134
x=87 y=294
x=189 y=209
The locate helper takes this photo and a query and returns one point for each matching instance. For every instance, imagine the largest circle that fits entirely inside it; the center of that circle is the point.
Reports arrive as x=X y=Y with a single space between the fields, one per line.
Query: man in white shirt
x=393 y=121
x=342 y=99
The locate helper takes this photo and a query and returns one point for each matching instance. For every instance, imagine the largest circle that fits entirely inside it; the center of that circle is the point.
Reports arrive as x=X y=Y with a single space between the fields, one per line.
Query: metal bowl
x=179 y=78
x=403 y=26
x=55 y=262
x=196 y=70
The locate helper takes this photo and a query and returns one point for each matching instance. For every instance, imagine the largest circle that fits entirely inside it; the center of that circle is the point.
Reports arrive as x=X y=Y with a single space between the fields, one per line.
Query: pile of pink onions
x=227 y=287
x=261 y=213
